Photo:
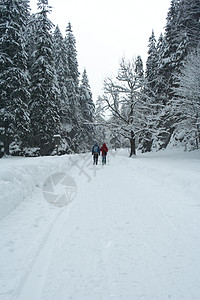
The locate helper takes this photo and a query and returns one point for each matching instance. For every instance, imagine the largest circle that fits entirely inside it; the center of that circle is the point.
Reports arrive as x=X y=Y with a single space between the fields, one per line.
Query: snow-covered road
x=132 y=232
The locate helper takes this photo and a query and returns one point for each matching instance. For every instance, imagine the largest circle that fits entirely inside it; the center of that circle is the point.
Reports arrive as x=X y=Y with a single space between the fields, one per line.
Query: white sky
x=107 y=30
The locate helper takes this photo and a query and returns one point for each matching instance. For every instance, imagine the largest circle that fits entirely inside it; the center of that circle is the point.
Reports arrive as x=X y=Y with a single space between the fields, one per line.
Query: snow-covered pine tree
x=154 y=91
x=189 y=23
x=72 y=55
x=139 y=70
x=151 y=67
x=160 y=82
x=144 y=107
x=74 y=128
x=14 y=83
x=45 y=98
x=173 y=53
x=187 y=129
x=169 y=63
x=87 y=111
x=181 y=35
x=87 y=104
x=62 y=71
x=30 y=36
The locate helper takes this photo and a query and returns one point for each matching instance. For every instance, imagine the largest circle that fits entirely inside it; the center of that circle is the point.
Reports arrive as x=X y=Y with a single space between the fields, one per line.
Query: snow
x=20 y=177
x=131 y=231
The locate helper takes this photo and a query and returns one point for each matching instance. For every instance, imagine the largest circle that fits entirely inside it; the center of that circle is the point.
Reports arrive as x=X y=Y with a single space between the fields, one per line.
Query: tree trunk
x=198 y=137
x=6 y=142
x=132 y=142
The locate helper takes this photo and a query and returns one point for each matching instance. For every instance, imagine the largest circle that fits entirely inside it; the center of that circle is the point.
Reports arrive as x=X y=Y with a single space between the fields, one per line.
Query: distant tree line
x=41 y=96
x=159 y=106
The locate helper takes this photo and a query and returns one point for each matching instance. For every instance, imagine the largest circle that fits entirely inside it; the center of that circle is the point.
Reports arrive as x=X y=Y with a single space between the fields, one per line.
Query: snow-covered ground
x=129 y=230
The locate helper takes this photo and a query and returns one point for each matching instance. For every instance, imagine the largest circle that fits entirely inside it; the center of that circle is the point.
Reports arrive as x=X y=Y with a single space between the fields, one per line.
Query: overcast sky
x=107 y=30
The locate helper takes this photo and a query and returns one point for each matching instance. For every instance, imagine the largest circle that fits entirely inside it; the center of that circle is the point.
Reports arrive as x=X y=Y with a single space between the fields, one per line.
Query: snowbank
x=20 y=177
x=175 y=169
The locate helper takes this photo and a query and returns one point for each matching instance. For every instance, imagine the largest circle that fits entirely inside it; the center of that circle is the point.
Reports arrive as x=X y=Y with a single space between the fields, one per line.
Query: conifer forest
x=46 y=105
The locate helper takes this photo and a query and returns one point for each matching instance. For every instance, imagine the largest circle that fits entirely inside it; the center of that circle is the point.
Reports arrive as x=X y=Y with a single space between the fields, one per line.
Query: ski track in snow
x=39 y=266
x=132 y=232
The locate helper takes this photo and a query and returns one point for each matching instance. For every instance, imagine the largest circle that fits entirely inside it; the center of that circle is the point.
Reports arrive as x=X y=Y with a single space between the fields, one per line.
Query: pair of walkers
x=96 y=152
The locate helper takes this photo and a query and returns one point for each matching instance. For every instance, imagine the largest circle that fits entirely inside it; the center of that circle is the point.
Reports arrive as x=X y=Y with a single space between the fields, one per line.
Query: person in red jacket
x=104 y=151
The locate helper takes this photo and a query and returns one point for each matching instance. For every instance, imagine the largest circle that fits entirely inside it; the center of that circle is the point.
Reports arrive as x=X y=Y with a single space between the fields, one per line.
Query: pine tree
x=139 y=70
x=187 y=103
x=189 y=23
x=160 y=82
x=181 y=35
x=87 y=104
x=72 y=56
x=14 y=117
x=172 y=55
x=30 y=36
x=62 y=71
x=87 y=110
x=145 y=103
x=73 y=78
x=45 y=101
x=74 y=128
x=151 y=75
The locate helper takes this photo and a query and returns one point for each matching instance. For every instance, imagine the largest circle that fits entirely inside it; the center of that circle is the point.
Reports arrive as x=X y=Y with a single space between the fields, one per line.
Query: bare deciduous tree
x=123 y=97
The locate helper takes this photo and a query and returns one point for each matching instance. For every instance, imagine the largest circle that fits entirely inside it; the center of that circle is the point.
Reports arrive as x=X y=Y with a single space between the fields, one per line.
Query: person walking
x=104 y=151
x=95 y=153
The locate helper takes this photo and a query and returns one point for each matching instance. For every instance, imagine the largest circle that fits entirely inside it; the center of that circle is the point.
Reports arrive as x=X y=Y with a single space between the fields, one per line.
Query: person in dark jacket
x=95 y=153
x=104 y=151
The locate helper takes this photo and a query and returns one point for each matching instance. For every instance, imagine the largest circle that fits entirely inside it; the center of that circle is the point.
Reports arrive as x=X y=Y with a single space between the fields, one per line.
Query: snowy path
x=132 y=232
